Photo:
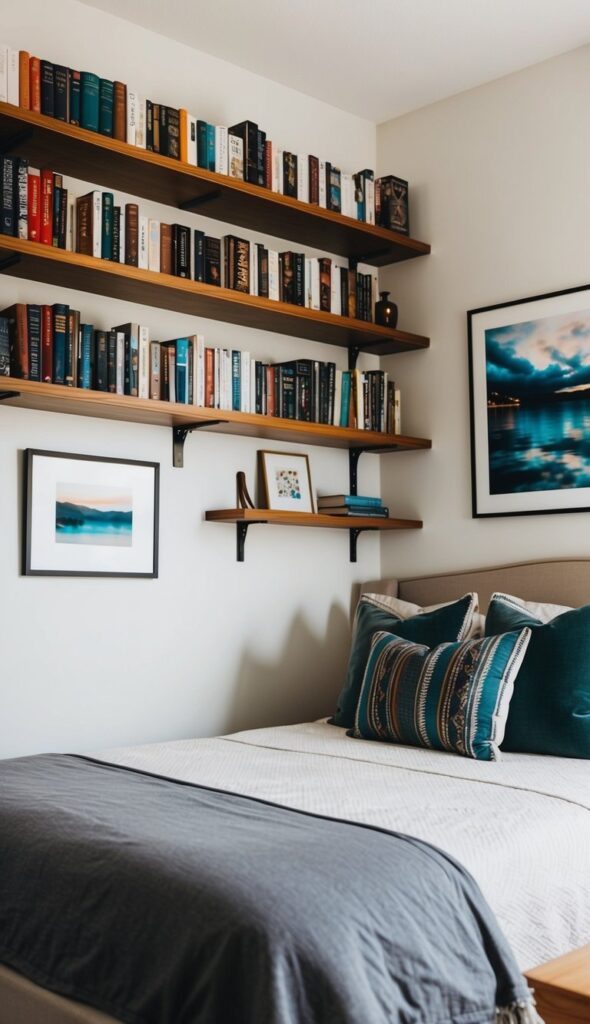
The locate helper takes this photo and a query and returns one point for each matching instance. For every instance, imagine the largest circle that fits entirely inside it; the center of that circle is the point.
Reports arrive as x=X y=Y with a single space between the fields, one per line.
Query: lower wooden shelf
x=245 y=517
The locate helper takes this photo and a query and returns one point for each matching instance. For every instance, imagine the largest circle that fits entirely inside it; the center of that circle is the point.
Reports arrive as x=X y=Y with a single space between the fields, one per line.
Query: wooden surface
x=274 y=518
x=103 y=405
x=562 y=988
x=38 y=262
x=116 y=165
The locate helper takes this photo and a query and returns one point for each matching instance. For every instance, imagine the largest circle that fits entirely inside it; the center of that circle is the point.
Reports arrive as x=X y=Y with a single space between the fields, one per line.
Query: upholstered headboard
x=557 y=581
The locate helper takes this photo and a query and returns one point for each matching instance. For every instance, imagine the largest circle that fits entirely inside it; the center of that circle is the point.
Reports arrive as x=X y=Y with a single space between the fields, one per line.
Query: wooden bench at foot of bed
x=562 y=988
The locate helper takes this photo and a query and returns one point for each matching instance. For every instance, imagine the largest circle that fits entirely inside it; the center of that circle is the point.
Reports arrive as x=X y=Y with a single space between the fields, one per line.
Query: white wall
x=500 y=187
x=211 y=645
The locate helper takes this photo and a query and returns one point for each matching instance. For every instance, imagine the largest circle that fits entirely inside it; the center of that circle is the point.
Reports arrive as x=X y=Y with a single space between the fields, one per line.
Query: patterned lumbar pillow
x=431 y=626
x=454 y=697
x=550 y=710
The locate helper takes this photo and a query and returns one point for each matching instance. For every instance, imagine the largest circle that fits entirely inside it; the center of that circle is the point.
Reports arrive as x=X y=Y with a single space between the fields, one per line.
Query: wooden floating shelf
x=37 y=262
x=47 y=142
x=243 y=518
x=30 y=394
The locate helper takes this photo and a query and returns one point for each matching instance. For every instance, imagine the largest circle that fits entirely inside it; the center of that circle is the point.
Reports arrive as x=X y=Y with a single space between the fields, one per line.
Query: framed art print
x=286 y=481
x=90 y=516
x=529 y=366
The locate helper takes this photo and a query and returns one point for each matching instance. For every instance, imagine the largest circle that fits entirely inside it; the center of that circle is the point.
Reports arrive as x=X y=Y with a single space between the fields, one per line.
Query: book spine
x=86 y=367
x=34 y=83
x=9 y=218
x=134 y=360
x=131 y=116
x=22 y=176
x=235 y=156
x=56 y=211
x=97 y=224
x=142 y=252
x=3 y=74
x=154 y=245
x=46 y=207
x=116 y=234
x=143 y=381
x=47 y=106
x=221 y=165
x=131 y=234
x=12 y=77
x=140 y=126
x=165 y=248
x=72 y=348
x=34 y=341
x=183 y=134
x=62 y=230
x=60 y=334
x=112 y=362
x=120 y=111
x=75 y=98
x=24 y=80
x=322 y=199
x=173 y=140
x=4 y=346
x=182 y=345
x=102 y=361
x=199 y=255
x=210 y=147
x=191 y=156
x=106 y=249
x=273 y=275
x=61 y=93
x=89 y=101
x=155 y=356
x=170 y=352
x=268 y=164
x=105 y=107
x=120 y=364
x=202 y=144
x=46 y=344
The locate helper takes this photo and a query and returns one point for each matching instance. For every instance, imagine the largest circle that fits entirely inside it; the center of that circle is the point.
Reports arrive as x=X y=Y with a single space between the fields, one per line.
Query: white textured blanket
x=521 y=826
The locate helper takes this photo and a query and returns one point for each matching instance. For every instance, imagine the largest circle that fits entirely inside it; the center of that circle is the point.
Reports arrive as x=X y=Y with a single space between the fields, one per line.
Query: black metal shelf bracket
x=179 y=436
x=9 y=394
x=353 y=354
x=241 y=533
x=354 y=536
x=9 y=261
x=13 y=141
x=196 y=201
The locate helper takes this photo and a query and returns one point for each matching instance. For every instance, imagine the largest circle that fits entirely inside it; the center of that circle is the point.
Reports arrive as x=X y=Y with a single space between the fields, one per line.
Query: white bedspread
x=521 y=826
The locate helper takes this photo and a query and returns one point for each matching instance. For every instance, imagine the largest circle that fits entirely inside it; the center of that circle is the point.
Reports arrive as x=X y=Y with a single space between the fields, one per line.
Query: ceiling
x=374 y=58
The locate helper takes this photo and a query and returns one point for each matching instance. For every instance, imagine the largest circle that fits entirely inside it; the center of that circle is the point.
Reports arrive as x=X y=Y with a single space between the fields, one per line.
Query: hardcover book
x=235 y=156
x=35 y=84
x=247 y=131
x=19 y=344
x=120 y=111
x=89 y=100
x=61 y=93
x=393 y=204
x=47 y=106
x=131 y=234
x=105 y=109
x=212 y=259
x=165 y=248
x=290 y=175
x=75 y=98
x=4 y=347
x=34 y=340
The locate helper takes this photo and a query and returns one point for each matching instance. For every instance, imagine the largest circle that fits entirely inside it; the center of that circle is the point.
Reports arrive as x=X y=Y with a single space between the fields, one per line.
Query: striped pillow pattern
x=452 y=697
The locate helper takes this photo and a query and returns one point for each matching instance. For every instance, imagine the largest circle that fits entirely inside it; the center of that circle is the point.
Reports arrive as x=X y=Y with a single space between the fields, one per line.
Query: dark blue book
x=60 y=341
x=211 y=147
x=75 y=97
x=236 y=380
x=105 y=107
x=86 y=356
x=106 y=245
x=89 y=100
x=4 y=347
x=34 y=339
x=9 y=178
x=47 y=78
x=199 y=255
x=182 y=370
x=57 y=201
x=102 y=361
x=61 y=92
x=202 y=159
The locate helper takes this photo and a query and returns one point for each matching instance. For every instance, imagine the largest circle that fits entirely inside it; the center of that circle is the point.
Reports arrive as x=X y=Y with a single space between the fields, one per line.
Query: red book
x=35 y=84
x=46 y=344
x=268 y=164
x=34 y=205
x=46 y=207
x=209 y=378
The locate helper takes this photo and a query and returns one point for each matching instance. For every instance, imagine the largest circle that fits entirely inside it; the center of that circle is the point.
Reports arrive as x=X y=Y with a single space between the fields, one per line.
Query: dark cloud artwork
x=538 y=391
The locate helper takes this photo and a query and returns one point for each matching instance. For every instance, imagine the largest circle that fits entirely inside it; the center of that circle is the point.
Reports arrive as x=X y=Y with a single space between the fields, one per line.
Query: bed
x=521 y=826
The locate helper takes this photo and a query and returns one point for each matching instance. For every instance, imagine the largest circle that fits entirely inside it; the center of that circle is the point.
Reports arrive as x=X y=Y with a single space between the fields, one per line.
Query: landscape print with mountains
x=531 y=404
x=93 y=514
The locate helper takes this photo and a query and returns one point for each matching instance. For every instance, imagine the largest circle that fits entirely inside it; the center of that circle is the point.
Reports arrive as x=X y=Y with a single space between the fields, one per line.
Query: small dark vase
x=385 y=311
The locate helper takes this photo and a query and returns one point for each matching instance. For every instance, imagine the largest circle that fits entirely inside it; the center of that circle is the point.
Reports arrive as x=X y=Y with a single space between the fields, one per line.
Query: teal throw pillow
x=550 y=709
x=375 y=612
x=453 y=697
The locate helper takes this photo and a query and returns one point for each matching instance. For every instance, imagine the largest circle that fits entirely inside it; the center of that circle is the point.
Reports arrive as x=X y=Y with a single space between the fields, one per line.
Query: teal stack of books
x=352 y=505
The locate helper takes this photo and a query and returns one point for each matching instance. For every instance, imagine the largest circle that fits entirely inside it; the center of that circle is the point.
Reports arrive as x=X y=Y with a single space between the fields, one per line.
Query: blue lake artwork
x=93 y=514
x=538 y=397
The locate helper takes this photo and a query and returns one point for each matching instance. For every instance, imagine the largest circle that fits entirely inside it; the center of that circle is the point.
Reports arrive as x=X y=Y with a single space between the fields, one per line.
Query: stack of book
x=243 y=151
x=352 y=505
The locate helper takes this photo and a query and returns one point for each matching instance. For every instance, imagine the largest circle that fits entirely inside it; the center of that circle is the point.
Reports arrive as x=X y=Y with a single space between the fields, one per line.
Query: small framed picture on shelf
x=286 y=482
x=530 y=404
x=90 y=516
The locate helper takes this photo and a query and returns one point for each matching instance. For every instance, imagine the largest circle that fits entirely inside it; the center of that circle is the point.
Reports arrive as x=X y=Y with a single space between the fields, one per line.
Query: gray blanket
x=161 y=902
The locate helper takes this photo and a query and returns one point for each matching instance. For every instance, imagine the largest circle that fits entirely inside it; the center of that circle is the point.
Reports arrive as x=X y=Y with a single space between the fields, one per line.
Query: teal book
x=182 y=370
x=106 y=244
x=345 y=399
x=60 y=340
x=86 y=356
x=75 y=97
x=105 y=107
x=210 y=147
x=236 y=380
x=89 y=100
x=202 y=144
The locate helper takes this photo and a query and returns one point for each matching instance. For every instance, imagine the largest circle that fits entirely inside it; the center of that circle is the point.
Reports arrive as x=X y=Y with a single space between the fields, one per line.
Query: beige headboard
x=559 y=582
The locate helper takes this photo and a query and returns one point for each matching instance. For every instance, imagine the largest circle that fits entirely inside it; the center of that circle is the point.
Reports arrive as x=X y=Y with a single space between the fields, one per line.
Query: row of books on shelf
x=352 y=505
x=51 y=344
x=36 y=206
x=241 y=151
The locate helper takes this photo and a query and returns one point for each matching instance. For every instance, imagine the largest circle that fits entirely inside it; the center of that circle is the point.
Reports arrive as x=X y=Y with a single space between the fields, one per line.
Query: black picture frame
x=33 y=556
x=517 y=488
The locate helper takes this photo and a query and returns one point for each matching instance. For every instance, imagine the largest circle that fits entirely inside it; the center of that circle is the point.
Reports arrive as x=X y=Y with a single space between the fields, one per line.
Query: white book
x=337 y=398
x=216 y=377
x=347 y=196
x=71 y=226
x=120 y=364
x=315 y=284
x=273 y=275
x=132 y=100
x=140 y=132
x=155 y=370
x=397 y=415
x=369 y=201
x=4 y=74
x=303 y=178
x=142 y=247
x=154 y=245
x=143 y=381
x=252 y=385
x=253 y=276
x=12 y=77
x=122 y=235
x=245 y=382
x=228 y=378
x=191 y=141
x=274 y=170
x=307 y=282
x=168 y=352
x=336 y=288
x=278 y=172
x=199 y=372
x=322 y=184
x=360 y=399
x=97 y=223
x=221 y=165
x=235 y=155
